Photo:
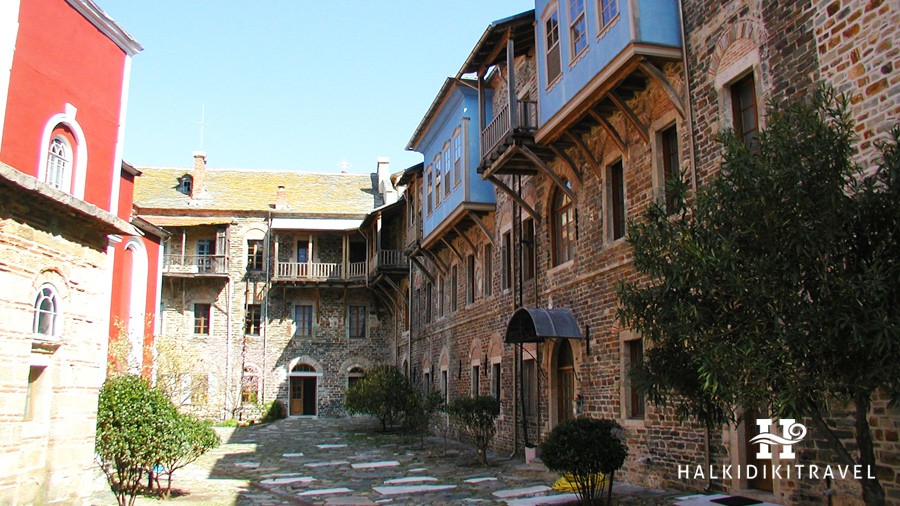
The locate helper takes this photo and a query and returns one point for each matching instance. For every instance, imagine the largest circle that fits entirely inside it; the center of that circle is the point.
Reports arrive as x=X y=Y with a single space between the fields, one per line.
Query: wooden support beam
x=397 y=289
x=630 y=115
x=616 y=138
x=515 y=196
x=535 y=159
x=422 y=268
x=441 y=266
x=575 y=139
x=382 y=295
x=466 y=238
x=653 y=72
x=478 y=221
x=452 y=248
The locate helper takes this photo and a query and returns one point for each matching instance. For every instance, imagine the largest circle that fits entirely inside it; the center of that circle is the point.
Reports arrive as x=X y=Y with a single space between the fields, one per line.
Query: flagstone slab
x=327 y=463
x=328 y=446
x=410 y=479
x=285 y=480
x=410 y=489
x=374 y=465
x=546 y=499
x=292 y=455
x=480 y=480
x=521 y=492
x=247 y=465
x=326 y=491
x=418 y=470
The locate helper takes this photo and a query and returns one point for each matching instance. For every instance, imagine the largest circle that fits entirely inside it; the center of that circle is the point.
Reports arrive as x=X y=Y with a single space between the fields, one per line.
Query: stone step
x=410 y=489
x=521 y=492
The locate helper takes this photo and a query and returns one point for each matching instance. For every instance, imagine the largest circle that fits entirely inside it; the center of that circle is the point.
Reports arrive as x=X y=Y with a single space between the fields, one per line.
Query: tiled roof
x=255 y=190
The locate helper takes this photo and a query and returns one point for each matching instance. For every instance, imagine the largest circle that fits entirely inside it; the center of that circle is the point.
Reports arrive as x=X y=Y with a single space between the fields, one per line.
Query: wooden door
x=296 y=398
x=565 y=383
x=309 y=396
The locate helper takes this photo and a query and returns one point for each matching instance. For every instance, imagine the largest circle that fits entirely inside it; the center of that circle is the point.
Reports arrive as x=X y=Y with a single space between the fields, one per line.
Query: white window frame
x=47 y=292
x=601 y=19
x=457 y=156
x=78 y=171
x=448 y=170
x=312 y=319
x=552 y=14
x=573 y=21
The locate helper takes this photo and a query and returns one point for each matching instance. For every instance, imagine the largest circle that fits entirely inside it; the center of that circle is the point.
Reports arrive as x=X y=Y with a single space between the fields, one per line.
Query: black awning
x=533 y=325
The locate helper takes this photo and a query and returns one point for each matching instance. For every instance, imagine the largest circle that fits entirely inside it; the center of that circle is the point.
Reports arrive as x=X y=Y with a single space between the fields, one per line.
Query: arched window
x=354 y=375
x=46 y=313
x=59 y=164
x=303 y=368
x=563 y=227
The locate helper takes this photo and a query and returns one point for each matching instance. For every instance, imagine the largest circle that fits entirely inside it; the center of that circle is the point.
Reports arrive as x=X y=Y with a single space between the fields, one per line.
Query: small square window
x=253 y=320
x=202 y=318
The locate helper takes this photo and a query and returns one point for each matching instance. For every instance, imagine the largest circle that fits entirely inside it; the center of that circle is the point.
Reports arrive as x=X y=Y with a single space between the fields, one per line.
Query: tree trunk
x=873 y=494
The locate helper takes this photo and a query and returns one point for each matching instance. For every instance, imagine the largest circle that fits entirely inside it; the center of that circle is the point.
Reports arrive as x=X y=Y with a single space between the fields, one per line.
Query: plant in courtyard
x=588 y=450
x=272 y=411
x=420 y=411
x=131 y=416
x=383 y=393
x=184 y=439
x=476 y=417
x=777 y=285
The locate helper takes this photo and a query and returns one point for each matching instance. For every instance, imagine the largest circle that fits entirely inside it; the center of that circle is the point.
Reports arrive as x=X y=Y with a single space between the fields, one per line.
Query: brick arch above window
x=736 y=40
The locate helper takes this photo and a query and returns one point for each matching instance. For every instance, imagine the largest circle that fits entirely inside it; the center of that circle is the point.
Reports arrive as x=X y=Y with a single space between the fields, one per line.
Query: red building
x=65 y=223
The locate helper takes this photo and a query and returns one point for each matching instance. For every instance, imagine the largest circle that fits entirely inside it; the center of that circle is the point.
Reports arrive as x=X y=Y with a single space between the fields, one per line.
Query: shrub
x=587 y=449
x=131 y=416
x=476 y=416
x=420 y=412
x=184 y=441
x=384 y=393
x=273 y=411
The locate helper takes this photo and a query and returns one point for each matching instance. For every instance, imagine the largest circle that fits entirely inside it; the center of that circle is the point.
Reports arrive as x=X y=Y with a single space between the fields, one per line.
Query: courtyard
x=345 y=461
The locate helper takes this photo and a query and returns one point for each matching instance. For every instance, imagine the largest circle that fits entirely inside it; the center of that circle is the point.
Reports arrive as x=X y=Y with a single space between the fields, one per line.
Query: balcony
x=319 y=271
x=503 y=129
x=388 y=259
x=195 y=265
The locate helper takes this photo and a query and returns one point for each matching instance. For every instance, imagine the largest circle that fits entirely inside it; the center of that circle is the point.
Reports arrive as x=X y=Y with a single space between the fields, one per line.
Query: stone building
x=265 y=290
x=582 y=112
x=61 y=128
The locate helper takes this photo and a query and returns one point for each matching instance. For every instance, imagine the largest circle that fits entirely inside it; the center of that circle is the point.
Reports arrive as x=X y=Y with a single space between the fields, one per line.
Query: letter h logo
x=792 y=433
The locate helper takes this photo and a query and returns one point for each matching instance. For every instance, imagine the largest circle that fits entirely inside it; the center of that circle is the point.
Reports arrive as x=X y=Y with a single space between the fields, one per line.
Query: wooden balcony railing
x=388 y=259
x=195 y=264
x=502 y=125
x=319 y=271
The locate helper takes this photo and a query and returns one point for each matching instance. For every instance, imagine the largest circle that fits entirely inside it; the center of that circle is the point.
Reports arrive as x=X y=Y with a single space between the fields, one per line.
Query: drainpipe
x=265 y=306
x=690 y=104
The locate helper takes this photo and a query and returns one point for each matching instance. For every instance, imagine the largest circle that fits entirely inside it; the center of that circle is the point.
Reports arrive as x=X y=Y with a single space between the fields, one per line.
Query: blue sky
x=291 y=85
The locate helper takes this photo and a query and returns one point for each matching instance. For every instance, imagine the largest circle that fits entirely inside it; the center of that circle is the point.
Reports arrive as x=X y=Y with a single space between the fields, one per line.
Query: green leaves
x=384 y=393
x=476 y=417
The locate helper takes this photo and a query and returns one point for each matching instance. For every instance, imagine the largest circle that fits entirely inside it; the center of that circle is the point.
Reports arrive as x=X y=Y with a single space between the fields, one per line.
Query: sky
x=291 y=84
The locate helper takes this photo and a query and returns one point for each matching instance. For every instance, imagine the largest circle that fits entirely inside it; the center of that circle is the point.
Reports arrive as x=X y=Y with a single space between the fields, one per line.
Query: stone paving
x=344 y=461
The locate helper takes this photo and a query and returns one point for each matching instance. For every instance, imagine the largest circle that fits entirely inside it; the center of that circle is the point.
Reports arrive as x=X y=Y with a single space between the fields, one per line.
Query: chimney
x=199 y=174
x=281 y=198
x=385 y=187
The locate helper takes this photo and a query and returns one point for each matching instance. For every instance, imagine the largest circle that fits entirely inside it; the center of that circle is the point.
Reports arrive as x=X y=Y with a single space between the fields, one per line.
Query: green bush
x=587 y=449
x=420 y=412
x=131 y=416
x=384 y=393
x=273 y=411
x=476 y=417
x=185 y=439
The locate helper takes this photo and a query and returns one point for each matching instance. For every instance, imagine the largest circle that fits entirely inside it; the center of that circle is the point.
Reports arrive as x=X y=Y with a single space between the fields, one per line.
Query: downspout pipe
x=690 y=103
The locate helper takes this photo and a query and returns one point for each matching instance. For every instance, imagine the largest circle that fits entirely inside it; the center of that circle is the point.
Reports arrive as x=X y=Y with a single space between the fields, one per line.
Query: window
x=254 y=255
x=59 y=164
x=551 y=39
x=743 y=109
x=199 y=389
x=529 y=390
x=46 y=313
x=506 y=265
x=426 y=380
x=252 y=319
x=577 y=33
x=488 y=272
x=354 y=375
x=616 y=177
x=470 y=279
x=185 y=184
x=457 y=156
x=356 y=317
x=429 y=196
x=671 y=167
x=454 y=287
x=476 y=380
x=563 y=228
x=206 y=247
x=441 y=292
x=528 y=258
x=608 y=10
x=303 y=319
x=445 y=385
x=429 y=302
x=448 y=167
x=635 y=398
x=303 y=251
x=437 y=181
x=202 y=318
x=495 y=380
x=250 y=385
x=33 y=392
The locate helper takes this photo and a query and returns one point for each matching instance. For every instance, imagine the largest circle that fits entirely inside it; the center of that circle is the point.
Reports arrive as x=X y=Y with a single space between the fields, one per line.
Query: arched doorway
x=302 y=394
x=565 y=382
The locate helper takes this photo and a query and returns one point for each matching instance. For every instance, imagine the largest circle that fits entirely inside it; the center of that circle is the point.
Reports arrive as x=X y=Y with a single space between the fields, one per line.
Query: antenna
x=203 y=124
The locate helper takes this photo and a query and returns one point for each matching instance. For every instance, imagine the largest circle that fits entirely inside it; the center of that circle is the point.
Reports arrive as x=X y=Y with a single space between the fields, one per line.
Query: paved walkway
x=327 y=461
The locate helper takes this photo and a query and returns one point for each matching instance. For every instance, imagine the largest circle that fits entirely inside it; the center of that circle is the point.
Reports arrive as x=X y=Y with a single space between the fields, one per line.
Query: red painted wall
x=62 y=58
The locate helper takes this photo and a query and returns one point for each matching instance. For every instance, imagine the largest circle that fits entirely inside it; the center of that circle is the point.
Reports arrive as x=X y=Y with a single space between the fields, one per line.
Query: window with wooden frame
x=437 y=180
x=250 y=385
x=745 y=115
x=253 y=320
x=668 y=139
x=609 y=9
x=454 y=288
x=488 y=271
x=529 y=391
x=448 y=169
x=202 y=314
x=470 y=279
x=429 y=195
x=528 y=258
x=303 y=320
x=615 y=175
x=506 y=265
x=476 y=380
x=634 y=355
x=441 y=292
x=495 y=380
x=577 y=28
x=563 y=227
x=254 y=255
x=457 y=156
x=551 y=44
x=356 y=322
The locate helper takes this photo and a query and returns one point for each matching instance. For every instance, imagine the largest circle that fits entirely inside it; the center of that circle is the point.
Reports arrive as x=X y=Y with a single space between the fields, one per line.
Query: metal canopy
x=533 y=325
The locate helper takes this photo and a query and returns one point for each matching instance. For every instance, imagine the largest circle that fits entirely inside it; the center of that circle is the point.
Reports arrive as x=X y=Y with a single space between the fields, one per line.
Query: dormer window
x=185 y=184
